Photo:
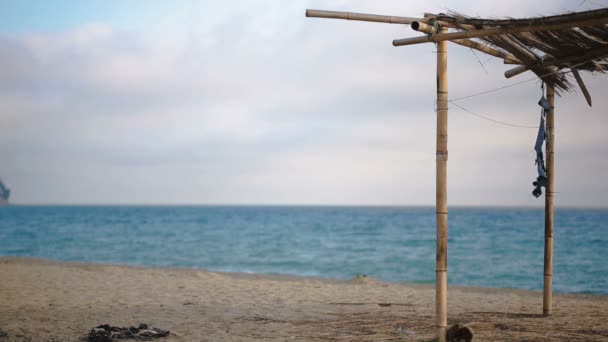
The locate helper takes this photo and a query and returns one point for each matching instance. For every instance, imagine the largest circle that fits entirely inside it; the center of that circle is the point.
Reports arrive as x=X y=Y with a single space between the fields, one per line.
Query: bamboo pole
x=422 y=27
x=582 y=85
x=506 y=40
x=426 y=28
x=519 y=70
x=550 y=191
x=488 y=50
x=524 y=52
x=509 y=62
x=500 y=30
x=360 y=17
x=441 y=279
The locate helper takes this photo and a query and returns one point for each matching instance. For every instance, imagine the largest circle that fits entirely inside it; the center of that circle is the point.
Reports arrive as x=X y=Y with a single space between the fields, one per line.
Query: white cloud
x=254 y=103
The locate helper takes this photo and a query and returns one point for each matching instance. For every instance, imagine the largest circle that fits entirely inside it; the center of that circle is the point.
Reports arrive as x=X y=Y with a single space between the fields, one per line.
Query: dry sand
x=57 y=301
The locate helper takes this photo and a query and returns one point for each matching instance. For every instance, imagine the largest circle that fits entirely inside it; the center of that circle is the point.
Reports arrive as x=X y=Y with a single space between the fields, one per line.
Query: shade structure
x=545 y=45
x=555 y=48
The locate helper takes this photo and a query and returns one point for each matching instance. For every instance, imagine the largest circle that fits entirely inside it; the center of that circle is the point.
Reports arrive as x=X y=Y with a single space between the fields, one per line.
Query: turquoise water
x=495 y=247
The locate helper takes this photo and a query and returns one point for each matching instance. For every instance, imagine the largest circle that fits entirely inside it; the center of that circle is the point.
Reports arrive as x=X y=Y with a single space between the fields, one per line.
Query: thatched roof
x=546 y=52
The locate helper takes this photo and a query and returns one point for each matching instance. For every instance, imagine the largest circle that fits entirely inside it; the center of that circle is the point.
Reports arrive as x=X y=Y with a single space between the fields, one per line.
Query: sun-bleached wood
x=549 y=193
x=441 y=278
x=389 y=19
x=582 y=85
x=499 y=31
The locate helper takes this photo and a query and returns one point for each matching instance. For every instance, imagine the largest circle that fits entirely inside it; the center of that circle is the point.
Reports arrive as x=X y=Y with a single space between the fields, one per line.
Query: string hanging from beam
x=536 y=78
x=490 y=119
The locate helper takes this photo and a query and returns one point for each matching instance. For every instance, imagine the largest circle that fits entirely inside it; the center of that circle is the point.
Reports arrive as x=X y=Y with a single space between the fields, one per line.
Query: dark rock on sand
x=459 y=333
x=108 y=333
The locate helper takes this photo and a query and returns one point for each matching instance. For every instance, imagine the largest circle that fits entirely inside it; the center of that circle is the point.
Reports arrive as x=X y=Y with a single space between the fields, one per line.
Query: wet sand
x=44 y=300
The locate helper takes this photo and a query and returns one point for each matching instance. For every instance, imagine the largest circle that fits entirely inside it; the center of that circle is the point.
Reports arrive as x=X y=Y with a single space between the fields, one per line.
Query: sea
x=487 y=247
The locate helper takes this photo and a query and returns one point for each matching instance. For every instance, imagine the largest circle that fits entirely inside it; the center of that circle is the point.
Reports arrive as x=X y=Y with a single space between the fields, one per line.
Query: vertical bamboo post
x=550 y=191
x=441 y=279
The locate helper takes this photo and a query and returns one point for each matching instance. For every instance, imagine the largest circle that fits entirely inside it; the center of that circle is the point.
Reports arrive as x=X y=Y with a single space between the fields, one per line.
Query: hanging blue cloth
x=541 y=180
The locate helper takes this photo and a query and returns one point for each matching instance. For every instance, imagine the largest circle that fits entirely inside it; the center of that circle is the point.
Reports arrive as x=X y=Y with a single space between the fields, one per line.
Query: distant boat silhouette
x=5 y=193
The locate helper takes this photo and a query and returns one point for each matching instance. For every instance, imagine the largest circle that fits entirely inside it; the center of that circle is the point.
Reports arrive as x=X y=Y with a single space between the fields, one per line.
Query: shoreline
x=290 y=277
x=47 y=300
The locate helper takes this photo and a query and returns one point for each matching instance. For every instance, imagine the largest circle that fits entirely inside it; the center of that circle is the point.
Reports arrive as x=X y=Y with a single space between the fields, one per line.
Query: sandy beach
x=44 y=300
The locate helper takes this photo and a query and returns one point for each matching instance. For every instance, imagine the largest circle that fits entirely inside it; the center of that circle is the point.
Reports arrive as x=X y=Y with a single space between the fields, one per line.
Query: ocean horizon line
x=302 y=205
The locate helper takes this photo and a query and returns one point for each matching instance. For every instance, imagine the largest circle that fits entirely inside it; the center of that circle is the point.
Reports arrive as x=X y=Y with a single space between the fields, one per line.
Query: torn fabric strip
x=541 y=180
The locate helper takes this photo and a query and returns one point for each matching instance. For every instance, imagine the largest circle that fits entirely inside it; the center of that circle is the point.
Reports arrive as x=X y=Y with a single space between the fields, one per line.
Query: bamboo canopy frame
x=544 y=45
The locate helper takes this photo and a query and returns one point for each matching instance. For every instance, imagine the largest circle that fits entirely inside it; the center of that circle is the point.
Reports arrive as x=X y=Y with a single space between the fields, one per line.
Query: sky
x=250 y=102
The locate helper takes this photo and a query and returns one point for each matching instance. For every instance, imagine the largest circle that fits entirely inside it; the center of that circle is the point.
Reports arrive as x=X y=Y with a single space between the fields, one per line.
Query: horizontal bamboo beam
x=589 y=55
x=360 y=17
x=426 y=28
x=520 y=69
x=423 y=27
x=499 y=31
